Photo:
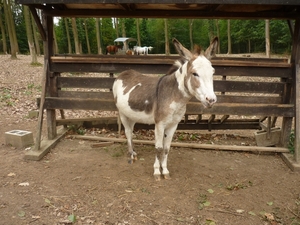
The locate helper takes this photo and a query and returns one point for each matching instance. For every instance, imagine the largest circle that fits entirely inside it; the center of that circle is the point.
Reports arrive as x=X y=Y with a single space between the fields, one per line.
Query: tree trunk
x=13 y=49
x=229 y=37
x=249 y=46
x=3 y=33
x=55 y=41
x=36 y=40
x=123 y=29
x=12 y=23
x=218 y=35
x=68 y=35
x=87 y=37
x=98 y=36
x=75 y=33
x=191 y=32
x=167 y=45
x=211 y=33
x=138 y=31
x=268 y=38
x=116 y=26
x=30 y=35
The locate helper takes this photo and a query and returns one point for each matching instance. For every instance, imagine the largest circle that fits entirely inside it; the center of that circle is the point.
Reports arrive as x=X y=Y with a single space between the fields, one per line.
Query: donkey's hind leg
x=128 y=125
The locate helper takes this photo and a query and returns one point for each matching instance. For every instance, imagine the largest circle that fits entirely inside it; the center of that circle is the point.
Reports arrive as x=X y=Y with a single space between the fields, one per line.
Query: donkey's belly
x=133 y=114
x=137 y=116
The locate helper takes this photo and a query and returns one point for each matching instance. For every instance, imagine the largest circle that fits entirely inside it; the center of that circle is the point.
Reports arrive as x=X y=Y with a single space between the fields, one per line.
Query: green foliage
x=291 y=146
x=246 y=35
x=108 y=33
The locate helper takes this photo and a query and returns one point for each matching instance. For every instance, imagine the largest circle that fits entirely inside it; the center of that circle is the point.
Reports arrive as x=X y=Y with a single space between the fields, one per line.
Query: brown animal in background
x=112 y=49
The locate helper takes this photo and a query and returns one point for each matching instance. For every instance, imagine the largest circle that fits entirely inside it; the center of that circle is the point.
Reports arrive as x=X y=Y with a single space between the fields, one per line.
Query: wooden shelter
x=278 y=98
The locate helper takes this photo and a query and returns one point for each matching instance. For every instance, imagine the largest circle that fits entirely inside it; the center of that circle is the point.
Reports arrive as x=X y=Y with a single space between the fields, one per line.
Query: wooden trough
x=262 y=88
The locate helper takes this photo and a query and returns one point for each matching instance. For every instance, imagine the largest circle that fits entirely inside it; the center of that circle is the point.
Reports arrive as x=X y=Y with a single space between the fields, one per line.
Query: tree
x=11 y=30
x=218 y=35
x=87 y=36
x=75 y=35
x=191 y=32
x=66 y=20
x=3 y=33
x=108 y=32
x=138 y=31
x=228 y=37
x=30 y=35
x=167 y=45
x=267 y=37
x=35 y=36
x=98 y=36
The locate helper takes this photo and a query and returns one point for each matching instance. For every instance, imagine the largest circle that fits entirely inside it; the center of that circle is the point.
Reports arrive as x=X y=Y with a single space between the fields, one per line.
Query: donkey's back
x=135 y=95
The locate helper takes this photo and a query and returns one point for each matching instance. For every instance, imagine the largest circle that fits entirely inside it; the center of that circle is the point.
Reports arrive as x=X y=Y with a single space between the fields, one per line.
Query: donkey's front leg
x=159 y=137
x=168 y=136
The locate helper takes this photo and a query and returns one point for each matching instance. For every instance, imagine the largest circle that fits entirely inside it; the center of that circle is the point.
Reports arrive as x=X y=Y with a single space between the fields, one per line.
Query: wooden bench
x=258 y=89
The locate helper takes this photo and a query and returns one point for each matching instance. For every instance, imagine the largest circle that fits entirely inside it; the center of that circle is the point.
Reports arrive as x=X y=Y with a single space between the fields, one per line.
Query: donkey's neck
x=180 y=76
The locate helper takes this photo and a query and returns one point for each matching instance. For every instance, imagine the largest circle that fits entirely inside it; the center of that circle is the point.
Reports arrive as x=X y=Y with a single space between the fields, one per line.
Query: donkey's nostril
x=210 y=100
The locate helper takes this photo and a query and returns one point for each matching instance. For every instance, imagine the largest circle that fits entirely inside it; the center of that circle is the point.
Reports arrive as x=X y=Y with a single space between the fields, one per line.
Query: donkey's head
x=197 y=72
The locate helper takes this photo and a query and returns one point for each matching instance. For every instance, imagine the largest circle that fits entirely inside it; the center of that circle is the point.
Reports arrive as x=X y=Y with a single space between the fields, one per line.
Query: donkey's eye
x=196 y=74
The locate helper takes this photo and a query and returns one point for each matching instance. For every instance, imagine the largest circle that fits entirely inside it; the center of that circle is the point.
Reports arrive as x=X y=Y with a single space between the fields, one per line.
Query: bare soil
x=78 y=184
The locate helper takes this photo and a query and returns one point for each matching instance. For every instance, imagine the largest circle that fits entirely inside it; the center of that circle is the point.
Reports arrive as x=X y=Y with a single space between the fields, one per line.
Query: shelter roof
x=124 y=39
x=256 y=9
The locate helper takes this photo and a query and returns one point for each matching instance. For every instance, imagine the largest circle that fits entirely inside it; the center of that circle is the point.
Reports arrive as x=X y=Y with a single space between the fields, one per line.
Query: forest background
x=92 y=35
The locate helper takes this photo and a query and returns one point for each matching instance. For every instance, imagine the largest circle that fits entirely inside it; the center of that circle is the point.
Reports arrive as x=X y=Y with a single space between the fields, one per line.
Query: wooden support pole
x=296 y=51
x=189 y=145
x=41 y=110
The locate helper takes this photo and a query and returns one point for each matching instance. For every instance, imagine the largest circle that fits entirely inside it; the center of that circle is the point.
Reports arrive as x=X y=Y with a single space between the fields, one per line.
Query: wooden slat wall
x=240 y=98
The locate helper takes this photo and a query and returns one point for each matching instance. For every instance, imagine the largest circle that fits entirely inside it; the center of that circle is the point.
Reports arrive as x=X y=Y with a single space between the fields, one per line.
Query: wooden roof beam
x=170 y=14
x=128 y=7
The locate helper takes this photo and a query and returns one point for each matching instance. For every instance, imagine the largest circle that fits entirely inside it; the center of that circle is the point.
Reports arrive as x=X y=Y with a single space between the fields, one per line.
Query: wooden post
x=51 y=89
x=296 y=51
x=43 y=30
x=297 y=113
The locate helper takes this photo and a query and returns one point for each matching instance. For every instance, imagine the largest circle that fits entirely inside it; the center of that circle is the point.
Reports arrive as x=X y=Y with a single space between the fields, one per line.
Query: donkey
x=162 y=100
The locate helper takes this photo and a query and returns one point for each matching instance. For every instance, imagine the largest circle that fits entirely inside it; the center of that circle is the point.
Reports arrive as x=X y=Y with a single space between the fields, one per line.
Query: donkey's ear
x=212 y=49
x=182 y=51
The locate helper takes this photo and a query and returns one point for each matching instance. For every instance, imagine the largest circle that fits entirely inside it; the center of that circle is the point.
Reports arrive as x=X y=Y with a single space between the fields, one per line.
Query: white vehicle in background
x=127 y=45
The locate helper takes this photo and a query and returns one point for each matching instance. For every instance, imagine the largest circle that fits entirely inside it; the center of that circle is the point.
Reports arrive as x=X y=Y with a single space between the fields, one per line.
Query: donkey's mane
x=177 y=64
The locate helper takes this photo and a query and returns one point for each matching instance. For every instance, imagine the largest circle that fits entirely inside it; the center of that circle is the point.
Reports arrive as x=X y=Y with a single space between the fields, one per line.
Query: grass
x=291 y=146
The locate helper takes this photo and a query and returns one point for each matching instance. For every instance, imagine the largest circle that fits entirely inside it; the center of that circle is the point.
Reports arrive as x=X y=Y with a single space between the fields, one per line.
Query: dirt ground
x=78 y=184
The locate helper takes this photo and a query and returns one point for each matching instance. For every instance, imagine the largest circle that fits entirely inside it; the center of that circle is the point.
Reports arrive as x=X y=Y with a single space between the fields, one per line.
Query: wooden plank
x=111 y=123
x=72 y=103
x=159 y=2
x=45 y=146
x=156 y=13
x=250 y=87
x=109 y=68
x=163 y=68
x=286 y=110
x=162 y=59
x=189 y=145
x=221 y=98
x=87 y=122
x=253 y=71
x=85 y=95
x=219 y=85
x=85 y=82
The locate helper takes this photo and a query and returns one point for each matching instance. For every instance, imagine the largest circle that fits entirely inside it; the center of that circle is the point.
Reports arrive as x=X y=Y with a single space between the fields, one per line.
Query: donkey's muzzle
x=210 y=101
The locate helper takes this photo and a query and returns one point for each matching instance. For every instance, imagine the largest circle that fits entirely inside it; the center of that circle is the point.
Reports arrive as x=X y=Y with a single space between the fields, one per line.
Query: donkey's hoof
x=167 y=176
x=157 y=177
